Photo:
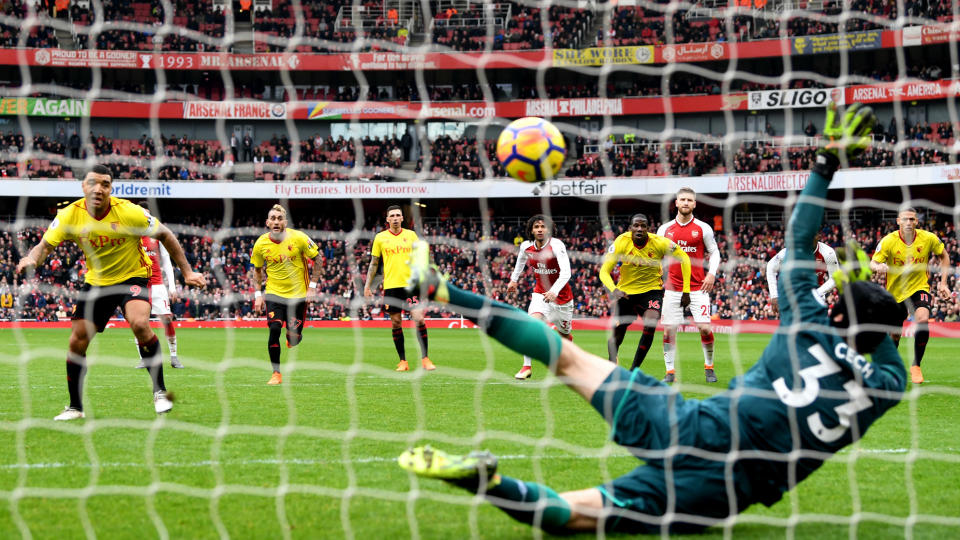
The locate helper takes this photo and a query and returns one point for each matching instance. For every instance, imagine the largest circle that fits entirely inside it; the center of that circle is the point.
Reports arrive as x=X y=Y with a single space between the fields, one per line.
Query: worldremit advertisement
x=598 y=56
x=44 y=107
x=854 y=41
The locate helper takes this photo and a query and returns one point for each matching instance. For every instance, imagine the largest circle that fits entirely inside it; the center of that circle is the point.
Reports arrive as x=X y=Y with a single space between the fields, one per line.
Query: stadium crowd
x=475 y=262
x=327 y=27
x=333 y=159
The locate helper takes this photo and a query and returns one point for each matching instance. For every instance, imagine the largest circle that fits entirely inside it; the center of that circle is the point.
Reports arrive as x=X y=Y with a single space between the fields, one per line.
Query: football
x=531 y=149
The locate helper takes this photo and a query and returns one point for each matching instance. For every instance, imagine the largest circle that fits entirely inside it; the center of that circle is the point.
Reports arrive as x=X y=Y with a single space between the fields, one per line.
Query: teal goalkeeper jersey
x=809 y=391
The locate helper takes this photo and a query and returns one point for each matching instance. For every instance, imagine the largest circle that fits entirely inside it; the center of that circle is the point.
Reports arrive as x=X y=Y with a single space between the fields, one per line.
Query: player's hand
x=512 y=286
x=617 y=294
x=879 y=268
x=195 y=279
x=774 y=306
x=549 y=297
x=684 y=299
x=311 y=294
x=367 y=292
x=944 y=290
x=26 y=263
x=708 y=282
x=258 y=305
x=851 y=136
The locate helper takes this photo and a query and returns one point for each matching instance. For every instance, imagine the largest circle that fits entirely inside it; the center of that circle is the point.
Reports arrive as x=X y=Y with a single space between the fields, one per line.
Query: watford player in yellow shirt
x=280 y=257
x=904 y=257
x=108 y=230
x=394 y=246
x=639 y=291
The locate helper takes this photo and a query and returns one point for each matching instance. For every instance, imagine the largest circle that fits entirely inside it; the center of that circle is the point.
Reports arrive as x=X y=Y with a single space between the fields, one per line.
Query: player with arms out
x=161 y=294
x=552 y=298
x=108 y=230
x=639 y=291
x=696 y=239
x=280 y=257
x=825 y=258
x=903 y=257
x=393 y=246
x=810 y=394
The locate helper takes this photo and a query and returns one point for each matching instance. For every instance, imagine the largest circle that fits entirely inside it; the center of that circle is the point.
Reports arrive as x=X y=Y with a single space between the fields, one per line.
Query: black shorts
x=635 y=305
x=919 y=299
x=396 y=300
x=289 y=311
x=98 y=304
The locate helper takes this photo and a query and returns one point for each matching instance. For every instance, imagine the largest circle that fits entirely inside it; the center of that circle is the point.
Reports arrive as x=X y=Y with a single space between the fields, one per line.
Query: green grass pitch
x=315 y=457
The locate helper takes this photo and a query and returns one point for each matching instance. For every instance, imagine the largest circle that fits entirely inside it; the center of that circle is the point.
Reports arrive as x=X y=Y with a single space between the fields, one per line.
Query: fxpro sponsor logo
x=574 y=107
x=789 y=99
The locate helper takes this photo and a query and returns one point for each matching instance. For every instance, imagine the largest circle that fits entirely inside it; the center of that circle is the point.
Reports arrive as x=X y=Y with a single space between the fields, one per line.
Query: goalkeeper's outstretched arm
x=847 y=138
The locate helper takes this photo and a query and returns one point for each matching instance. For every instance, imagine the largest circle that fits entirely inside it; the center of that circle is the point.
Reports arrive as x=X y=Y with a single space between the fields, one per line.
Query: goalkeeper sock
x=76 y=371
x=422 y=339
x=707 y=344
x=669 y=352
x=529 y=502
x=512 y=327
x=150 y=352
x=273 y=345
x=920 y=342
x=646 y=340
x=398 y=343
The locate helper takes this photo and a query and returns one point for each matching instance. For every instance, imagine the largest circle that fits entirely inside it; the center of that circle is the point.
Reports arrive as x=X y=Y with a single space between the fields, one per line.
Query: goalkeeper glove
x=854 y=266
x=845 y=140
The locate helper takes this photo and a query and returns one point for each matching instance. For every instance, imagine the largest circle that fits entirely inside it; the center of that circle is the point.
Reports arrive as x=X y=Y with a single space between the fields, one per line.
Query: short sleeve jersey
x=110 y=243
x=547 y=264
x=640 y=269
x=394 y=250
x=907 y=264
x=285 y=262
x=696 y=239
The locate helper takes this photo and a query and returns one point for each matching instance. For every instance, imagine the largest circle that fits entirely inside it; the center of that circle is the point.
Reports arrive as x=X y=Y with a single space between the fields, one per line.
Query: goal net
x=207 y=115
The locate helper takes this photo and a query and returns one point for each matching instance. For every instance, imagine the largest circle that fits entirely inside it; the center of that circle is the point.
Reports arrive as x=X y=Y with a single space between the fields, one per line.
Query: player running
x=696 y=239
x=393 y=246
x=639 y=291
x=903 y=257
x=161 y=294
x=280 y=256
x=810 y=394
x=552 y=298
x=108 y=230
x=826 y=263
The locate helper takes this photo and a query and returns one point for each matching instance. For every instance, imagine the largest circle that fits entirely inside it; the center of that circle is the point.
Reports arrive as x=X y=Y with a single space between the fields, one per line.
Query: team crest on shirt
x=270 y=314
x=114 y=225
x=694 y=233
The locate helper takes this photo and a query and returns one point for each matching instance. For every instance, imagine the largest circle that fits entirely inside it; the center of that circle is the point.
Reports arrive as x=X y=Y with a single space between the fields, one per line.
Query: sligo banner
x=792 y=99
x=595 y=189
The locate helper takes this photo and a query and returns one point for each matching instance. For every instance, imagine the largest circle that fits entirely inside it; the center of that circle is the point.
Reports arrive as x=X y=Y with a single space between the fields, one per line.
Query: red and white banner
x=235 y=110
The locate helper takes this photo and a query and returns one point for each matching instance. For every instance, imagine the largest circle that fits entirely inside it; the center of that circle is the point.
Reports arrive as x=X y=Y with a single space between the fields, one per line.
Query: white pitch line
x=362 y=460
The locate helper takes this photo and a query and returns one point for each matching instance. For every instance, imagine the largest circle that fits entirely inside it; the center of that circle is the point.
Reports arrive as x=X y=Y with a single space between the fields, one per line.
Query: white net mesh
x=209 y=115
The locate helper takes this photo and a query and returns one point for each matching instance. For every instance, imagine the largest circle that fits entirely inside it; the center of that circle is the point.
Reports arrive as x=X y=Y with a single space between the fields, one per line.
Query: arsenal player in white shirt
x=552 y=298
x=698 y=242
x=827 y=264
x=161 y=274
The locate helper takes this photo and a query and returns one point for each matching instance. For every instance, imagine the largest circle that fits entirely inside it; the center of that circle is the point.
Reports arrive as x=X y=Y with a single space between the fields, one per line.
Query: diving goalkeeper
x=809 y=395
